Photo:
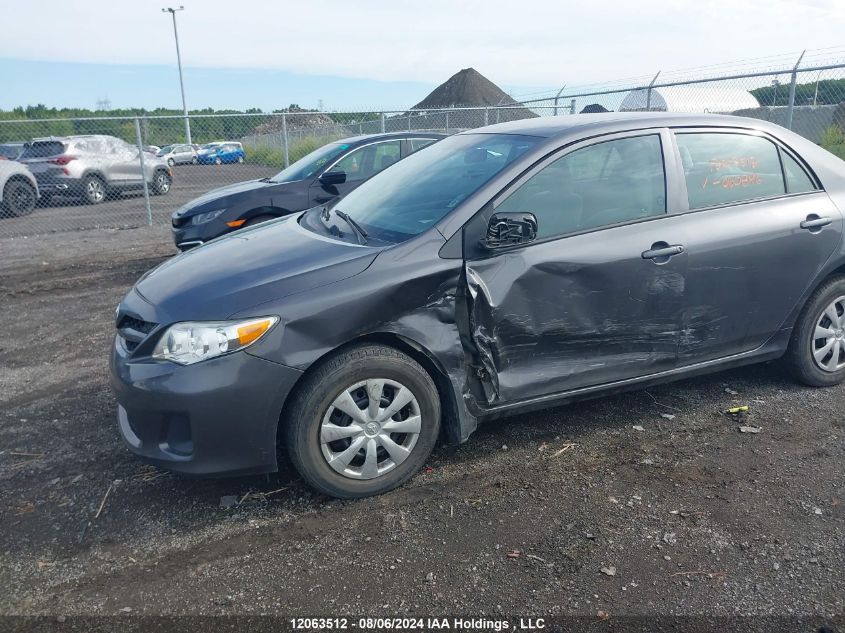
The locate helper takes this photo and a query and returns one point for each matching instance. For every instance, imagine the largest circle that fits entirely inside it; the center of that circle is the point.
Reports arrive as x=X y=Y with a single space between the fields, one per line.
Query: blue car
x=219 y=153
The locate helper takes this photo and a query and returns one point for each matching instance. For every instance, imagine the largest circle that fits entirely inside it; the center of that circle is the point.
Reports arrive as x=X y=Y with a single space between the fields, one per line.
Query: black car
x=505 y=269
x=318 y=178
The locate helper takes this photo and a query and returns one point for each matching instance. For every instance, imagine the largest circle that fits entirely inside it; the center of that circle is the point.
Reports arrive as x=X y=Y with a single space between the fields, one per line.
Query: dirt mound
x=296 y=120
x=469 y=88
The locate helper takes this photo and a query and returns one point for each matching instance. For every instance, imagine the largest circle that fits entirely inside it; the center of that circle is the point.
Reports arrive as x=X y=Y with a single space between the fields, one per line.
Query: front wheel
x=217 y=161
x=194 y=160
x=363 y=423
x=19 y=199
x=161 y=183
x=816 y=354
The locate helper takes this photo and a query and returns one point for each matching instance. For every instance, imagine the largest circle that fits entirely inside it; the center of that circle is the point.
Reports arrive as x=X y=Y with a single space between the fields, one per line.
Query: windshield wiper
x=360 y=233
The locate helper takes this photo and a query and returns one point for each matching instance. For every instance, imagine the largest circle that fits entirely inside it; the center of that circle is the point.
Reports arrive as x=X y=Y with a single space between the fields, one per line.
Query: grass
x=275 y=156
x=838 y=150
x=833 y=140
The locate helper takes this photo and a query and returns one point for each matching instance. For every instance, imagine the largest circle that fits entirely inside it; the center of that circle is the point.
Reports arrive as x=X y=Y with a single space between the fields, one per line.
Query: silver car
x=178 y=154
x=94 y=167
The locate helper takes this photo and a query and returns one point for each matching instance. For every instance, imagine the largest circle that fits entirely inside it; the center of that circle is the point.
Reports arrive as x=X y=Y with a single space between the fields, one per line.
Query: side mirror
x=511 y=229
x=333 y=178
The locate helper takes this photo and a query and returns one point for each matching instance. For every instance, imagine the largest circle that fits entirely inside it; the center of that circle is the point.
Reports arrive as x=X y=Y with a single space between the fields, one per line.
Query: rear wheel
x=816 y=354
x=19 y=198
x=240 y=159
x=363 y=423
x=171 y=162
x=93 y=189
x=194 y=160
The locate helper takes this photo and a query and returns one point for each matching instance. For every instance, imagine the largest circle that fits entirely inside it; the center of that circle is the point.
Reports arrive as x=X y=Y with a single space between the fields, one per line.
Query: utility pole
x=172 y=13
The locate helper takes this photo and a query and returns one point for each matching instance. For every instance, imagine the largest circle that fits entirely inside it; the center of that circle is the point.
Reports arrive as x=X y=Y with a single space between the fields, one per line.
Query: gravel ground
x=638 y=504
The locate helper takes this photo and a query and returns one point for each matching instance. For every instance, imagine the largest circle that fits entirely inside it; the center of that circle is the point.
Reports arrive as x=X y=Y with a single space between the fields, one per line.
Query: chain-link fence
x=90 y=170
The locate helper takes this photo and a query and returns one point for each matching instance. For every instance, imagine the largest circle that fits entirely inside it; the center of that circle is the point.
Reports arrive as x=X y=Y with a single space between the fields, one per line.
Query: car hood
x=218 y=197
x=247 y=268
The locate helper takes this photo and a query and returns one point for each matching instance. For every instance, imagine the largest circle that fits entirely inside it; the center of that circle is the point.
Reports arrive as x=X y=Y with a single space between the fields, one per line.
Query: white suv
x=93 y=166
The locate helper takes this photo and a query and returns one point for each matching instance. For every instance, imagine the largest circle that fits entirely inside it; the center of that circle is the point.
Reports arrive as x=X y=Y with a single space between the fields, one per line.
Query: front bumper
x=192 y=235
x=216 y=417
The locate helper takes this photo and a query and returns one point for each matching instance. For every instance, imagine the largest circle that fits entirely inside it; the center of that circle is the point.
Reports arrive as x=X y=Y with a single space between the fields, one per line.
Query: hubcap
x=95 y=190
x=828 y=339
x=22 y=198
x=163 y=183
x=370 y=428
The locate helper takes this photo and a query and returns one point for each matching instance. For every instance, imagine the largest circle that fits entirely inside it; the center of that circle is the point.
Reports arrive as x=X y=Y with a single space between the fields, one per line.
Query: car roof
x=554 y=126
x=389 y=135
x=72 y=137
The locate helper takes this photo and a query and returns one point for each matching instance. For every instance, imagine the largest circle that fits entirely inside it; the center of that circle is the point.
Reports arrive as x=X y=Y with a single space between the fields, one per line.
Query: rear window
x=419 y=143
x=43 y=149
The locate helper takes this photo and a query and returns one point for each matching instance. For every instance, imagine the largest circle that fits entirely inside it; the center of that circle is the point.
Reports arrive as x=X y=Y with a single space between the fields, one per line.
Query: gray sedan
x=519 y=266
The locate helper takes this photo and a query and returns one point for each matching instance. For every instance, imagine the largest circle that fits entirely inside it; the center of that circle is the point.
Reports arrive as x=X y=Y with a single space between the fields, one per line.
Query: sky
x=374 y=54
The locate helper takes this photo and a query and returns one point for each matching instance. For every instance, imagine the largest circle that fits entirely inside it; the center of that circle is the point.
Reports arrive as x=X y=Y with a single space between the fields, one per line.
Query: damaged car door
x=596 y=295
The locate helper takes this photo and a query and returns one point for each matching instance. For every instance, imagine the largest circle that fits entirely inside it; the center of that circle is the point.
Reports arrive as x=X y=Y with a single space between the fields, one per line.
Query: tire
x=161 y=183
x=217 y=161
x=355 y=372
x=19 y=198
x=807 y=358
x=94 y=190
x=171 y=162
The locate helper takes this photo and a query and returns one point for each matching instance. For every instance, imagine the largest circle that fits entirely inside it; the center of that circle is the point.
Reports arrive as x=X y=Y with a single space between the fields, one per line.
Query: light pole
x=172 y=12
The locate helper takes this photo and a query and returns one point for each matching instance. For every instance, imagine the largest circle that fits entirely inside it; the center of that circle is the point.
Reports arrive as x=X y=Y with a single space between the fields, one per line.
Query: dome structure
x=692 y=98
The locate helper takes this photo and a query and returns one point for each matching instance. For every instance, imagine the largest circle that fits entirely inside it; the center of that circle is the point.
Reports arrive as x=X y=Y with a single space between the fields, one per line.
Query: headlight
x=208 y=216
x=192 y=341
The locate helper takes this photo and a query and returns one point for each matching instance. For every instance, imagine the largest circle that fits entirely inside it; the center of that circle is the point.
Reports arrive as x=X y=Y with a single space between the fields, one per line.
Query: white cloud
x=539 y=43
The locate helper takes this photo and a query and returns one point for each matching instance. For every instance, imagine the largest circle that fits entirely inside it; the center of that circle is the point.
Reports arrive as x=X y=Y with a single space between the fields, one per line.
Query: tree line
x=36 y=121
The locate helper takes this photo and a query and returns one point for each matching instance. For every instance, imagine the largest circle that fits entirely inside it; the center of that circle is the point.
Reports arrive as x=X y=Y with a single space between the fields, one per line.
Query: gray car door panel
x=750 y=260
x=595 y=301
x=577 y=311
x=749 y=264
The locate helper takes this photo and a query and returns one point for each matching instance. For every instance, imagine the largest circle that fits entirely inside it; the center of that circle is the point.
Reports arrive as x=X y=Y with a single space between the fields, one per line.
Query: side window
x=418 y=143
x=352 y=164
x=367 y=161
x=385 y=155
x=797 y=180
x=725 y=168
x=602 y=184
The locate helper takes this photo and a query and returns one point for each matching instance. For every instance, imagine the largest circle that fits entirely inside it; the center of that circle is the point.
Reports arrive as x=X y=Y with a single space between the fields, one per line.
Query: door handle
x=815 y=222
x=660 y=252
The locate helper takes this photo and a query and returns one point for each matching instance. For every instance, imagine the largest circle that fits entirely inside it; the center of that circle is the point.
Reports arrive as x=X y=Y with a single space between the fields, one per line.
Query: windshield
x=418 y=191
x=209 y=147
x=310 y=164
x=166 y=149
